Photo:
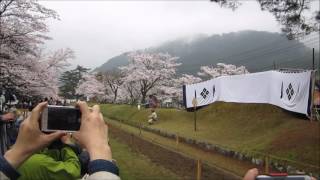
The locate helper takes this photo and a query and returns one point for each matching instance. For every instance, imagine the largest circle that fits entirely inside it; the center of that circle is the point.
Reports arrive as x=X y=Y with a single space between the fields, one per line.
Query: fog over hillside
x=256 y=50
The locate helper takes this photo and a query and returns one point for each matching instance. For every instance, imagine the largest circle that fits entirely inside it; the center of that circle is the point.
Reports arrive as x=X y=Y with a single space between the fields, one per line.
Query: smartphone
x=289 y=177
x=63 y=118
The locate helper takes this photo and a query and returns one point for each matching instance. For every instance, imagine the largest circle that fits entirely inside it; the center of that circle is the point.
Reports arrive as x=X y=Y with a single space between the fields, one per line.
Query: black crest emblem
x=204 y=93
x=290 y=92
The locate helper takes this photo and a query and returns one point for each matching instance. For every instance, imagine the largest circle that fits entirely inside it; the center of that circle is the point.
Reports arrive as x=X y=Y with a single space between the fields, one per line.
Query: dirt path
x=183 y=165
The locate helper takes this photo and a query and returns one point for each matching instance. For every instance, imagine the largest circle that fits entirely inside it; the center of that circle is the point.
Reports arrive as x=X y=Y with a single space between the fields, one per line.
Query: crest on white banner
x=289 y=93
x=207 y=95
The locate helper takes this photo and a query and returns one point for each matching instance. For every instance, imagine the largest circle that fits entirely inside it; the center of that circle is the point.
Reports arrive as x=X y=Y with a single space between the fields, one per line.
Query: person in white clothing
x=153 y=117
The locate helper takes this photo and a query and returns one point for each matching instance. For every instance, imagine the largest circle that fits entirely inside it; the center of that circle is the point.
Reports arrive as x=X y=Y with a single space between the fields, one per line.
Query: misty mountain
x=258 y=51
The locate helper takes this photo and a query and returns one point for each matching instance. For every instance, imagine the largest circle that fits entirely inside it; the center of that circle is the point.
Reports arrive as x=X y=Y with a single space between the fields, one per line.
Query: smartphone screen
x=61 y=118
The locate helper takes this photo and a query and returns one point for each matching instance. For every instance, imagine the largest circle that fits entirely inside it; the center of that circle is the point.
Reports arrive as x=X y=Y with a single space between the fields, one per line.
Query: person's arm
x=93 y=135
x=6 y=170
x=30 y=139
x=103 y=169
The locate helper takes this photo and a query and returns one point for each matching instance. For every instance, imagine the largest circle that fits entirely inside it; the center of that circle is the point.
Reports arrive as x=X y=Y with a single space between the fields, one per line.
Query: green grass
x=242 y=127
x=134 y=166
x=216 y=160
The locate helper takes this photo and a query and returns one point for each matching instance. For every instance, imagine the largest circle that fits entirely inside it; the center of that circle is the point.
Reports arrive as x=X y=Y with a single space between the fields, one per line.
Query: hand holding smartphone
x=60 y=118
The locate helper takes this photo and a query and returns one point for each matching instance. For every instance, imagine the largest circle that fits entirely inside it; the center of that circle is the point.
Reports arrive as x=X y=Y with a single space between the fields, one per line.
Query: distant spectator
x=2 y=102
x=51 y=101
x=7 y=117
x=153 y=101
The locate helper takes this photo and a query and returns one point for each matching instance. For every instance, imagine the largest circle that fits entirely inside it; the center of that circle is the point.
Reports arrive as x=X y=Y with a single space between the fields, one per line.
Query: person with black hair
x=92 y=136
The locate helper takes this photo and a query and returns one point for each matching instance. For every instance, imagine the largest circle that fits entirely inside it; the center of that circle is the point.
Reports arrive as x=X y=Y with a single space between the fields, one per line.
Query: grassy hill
x=242 y=127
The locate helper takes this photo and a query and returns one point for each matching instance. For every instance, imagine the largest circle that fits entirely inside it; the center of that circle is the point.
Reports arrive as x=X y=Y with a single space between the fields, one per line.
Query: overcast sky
x=99 y=30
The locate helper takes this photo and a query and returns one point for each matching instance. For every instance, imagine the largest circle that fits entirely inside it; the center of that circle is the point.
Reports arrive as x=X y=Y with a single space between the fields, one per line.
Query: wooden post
x=195 y=103
x=177 y=141
x=266 y=166
x=140 y=128
x=312 y=95
x=198 y=169
x=195 y=119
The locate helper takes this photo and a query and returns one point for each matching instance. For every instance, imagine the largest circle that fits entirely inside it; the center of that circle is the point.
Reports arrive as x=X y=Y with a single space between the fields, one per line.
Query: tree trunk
x=143 y=98
x=115 y=96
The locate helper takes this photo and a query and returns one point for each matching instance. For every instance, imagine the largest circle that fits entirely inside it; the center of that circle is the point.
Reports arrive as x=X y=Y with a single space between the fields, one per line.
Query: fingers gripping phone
x=291 y=177
x=63 y=118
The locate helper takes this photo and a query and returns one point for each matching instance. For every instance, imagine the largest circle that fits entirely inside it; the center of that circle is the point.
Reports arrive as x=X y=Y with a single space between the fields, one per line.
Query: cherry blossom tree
x=221 y=70
x=188 y=79
x=22 y=27
x=49 y=71
x=112 y=81
x=90 y=87
x=129 y=92
x=24 y=68
x=35 y=75
x=172 y=89
x=149 y=70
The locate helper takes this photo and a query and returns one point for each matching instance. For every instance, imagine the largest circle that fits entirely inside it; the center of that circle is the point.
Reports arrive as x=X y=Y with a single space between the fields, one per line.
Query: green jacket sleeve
x=52 y=164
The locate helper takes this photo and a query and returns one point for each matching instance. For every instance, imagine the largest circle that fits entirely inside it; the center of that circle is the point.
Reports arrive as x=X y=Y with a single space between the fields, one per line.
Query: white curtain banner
x=288 y=90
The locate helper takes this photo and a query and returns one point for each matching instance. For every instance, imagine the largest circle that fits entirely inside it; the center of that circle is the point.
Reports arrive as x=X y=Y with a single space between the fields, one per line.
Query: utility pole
x=274 y=65
x=312 y=58
x=312 y=87
x=319 y=68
